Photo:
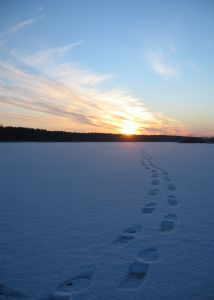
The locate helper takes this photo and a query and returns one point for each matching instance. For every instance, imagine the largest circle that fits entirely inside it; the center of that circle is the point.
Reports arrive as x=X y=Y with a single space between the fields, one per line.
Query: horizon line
x=106 y=133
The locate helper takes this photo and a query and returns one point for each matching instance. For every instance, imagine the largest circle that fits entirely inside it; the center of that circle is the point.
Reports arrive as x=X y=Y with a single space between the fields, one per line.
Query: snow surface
x=106 y=221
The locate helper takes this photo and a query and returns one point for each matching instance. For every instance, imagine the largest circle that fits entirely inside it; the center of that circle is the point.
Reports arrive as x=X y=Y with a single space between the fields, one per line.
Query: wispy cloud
x=50 y=63
x=18 y=26
x=46 y=57
x=161 y=67
x=72 y=98
x=8 y=33
x=163 y=61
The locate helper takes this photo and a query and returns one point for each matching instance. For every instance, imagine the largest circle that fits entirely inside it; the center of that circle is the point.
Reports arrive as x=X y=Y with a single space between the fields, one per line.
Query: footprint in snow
x=136 y=275
x=166 y=225
x=72 y=285
x=149 y=255
x=155 y=175
x=171 y=217
x=127 y=235
x=133 y=229
x=10 y=294
x=155 y=182
x=149 y=208
x=166 y=178
x=172 y=200
x=143 y=163
x=171 y=187
x=154 y=192
x=159 y=169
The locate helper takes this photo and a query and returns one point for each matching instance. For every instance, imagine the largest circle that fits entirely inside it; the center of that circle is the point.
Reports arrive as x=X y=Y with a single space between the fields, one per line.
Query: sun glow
x=129 y=128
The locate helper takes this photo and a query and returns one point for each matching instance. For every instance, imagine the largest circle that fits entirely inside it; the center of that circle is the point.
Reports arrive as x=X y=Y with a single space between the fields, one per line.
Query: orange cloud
x=72 y=97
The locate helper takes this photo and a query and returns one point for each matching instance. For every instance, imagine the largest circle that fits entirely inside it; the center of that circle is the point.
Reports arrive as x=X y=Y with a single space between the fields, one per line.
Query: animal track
x=149 y=208
x=166 y=178
x=137 y=273
x=166 y=225
x=149 y=255
x=172 y=200
x=8 y=293
x=154 y=192
x=70 y=286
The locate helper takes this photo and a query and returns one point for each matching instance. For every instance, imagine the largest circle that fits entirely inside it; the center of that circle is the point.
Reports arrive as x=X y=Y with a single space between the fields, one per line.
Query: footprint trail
x=136 y=275
x=127 y=235
x=149 y=255
x=73 y=285
x=149 y=208
x=139 y=268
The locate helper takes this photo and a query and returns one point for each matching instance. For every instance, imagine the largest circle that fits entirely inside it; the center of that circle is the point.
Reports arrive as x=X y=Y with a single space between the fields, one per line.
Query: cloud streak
x=161 y=67
x=44 y=86
x=8 y=33
x=49 y=63
x=163 y=62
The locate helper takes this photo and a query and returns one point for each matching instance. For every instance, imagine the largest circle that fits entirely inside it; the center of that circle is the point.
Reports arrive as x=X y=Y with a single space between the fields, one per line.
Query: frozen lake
x=89 y=221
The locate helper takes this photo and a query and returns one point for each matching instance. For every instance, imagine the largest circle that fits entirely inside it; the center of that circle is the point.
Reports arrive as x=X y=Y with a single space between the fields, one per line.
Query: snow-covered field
x=121 y=221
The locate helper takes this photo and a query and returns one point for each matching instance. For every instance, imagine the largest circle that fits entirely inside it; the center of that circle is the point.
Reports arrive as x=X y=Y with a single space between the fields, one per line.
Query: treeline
x=192 y=139
x=21 y=134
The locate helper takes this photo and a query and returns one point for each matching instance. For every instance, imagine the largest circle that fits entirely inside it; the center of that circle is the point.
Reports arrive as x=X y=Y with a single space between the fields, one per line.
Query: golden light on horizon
x=129 y=128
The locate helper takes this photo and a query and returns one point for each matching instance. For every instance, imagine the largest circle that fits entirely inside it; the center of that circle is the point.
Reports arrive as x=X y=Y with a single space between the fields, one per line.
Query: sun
x=129 y=128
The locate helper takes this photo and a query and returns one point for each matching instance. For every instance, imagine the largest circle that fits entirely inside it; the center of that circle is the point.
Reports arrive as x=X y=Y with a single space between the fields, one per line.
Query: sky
x=122 y=66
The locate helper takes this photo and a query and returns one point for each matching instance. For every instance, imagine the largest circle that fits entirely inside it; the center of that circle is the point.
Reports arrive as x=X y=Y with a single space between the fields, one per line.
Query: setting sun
x=129 y=128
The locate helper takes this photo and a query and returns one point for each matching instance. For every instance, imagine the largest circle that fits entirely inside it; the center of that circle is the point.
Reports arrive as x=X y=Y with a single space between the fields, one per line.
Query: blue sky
x=108 y=66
